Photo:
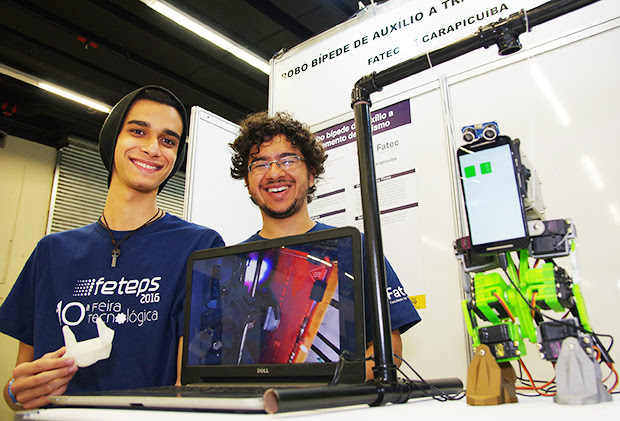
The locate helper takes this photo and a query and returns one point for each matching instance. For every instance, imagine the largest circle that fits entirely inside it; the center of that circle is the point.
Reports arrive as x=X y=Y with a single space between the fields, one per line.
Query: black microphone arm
x=385 y=388
x=371 y=393
x=503 y=33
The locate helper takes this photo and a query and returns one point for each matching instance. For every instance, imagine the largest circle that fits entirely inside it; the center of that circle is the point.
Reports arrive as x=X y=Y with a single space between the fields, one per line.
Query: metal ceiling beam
x=342 y=8
x=281 y=18
x=129 y=56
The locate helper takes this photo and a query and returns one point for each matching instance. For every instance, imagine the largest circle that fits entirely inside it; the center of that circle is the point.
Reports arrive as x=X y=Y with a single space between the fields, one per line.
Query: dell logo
x=262 y=370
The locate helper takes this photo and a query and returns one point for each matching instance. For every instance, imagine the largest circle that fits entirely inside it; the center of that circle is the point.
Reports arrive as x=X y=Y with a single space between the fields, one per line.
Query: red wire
x=501 y=301
x=532 y=381
x=534 y=303
x=613 y=370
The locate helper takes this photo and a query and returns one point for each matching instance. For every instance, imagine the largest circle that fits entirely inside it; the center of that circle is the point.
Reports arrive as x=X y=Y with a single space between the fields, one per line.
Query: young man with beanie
x=280 y=161
x=127 y=269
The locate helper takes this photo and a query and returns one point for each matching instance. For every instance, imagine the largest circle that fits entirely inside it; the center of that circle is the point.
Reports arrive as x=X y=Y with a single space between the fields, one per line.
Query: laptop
x=275 y=313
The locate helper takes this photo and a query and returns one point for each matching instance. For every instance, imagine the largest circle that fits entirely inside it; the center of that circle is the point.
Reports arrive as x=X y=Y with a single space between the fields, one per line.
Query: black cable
x=526 y=380
x=344 y=355
x=438 y=394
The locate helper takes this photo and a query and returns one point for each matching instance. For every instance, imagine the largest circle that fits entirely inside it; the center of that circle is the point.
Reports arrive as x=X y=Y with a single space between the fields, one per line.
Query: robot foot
x=578 y=376
x=490 y=382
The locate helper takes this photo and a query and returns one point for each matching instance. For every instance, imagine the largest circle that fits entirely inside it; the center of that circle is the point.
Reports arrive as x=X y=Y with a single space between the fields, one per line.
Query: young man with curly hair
x=281 y=161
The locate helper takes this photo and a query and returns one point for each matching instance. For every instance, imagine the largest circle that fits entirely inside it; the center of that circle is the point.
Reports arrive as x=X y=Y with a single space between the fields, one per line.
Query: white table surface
x=527 y=408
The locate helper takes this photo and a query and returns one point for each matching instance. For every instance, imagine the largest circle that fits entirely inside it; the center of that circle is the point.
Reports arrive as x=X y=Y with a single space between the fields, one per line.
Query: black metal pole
x=373 y=393
x=384 y=370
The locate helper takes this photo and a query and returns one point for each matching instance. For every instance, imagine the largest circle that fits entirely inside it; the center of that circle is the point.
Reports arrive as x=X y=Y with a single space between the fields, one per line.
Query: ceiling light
x=39 y=83
x=74 y=97
x=204 y=31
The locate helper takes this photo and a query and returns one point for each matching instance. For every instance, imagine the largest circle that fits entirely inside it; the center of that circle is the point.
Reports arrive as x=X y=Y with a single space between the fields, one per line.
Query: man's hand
x=36 y=380
x=397 y=349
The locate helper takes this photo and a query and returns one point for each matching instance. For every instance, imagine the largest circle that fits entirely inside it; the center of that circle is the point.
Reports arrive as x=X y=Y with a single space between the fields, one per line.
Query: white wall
x=27 y=172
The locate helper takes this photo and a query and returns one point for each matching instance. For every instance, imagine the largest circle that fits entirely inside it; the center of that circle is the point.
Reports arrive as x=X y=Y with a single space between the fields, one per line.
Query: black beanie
x=113 y=124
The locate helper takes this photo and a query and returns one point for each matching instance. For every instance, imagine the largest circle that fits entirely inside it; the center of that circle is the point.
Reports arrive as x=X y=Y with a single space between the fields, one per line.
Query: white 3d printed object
x=90 y=351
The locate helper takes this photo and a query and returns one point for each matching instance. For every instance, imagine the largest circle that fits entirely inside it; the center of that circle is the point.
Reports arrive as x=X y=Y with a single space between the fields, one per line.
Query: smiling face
x=279 y=193
x=147 y=145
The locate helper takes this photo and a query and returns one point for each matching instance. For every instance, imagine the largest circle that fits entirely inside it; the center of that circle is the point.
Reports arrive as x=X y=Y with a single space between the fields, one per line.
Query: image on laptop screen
x=280 y=304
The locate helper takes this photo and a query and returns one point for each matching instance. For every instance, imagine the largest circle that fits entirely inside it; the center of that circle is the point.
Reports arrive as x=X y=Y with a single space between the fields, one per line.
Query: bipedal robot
x=512 y=277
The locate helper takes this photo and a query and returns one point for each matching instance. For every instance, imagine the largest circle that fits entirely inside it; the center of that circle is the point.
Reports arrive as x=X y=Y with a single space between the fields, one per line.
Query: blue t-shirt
x=403 y=314
x=68 y=280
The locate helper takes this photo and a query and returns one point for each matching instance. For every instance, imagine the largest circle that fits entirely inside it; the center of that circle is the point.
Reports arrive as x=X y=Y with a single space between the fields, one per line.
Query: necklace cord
x=116 y=251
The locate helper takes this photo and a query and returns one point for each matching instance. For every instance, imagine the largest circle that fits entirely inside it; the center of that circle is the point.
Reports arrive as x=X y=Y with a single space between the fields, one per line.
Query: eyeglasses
x=286 y=163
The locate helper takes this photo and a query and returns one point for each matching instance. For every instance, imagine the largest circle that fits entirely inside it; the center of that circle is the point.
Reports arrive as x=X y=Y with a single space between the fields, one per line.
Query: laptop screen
x=274 y=308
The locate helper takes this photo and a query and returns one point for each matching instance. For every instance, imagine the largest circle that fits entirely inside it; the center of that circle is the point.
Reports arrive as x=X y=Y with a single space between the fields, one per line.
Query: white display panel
x=212 y=197
x=473 y=94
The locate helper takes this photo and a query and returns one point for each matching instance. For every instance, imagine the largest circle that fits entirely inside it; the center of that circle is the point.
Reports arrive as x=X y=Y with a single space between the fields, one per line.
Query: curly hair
x=260 y=127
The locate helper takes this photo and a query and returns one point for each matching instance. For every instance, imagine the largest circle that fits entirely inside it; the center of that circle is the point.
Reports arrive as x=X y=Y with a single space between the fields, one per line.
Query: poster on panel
x=338 y=198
